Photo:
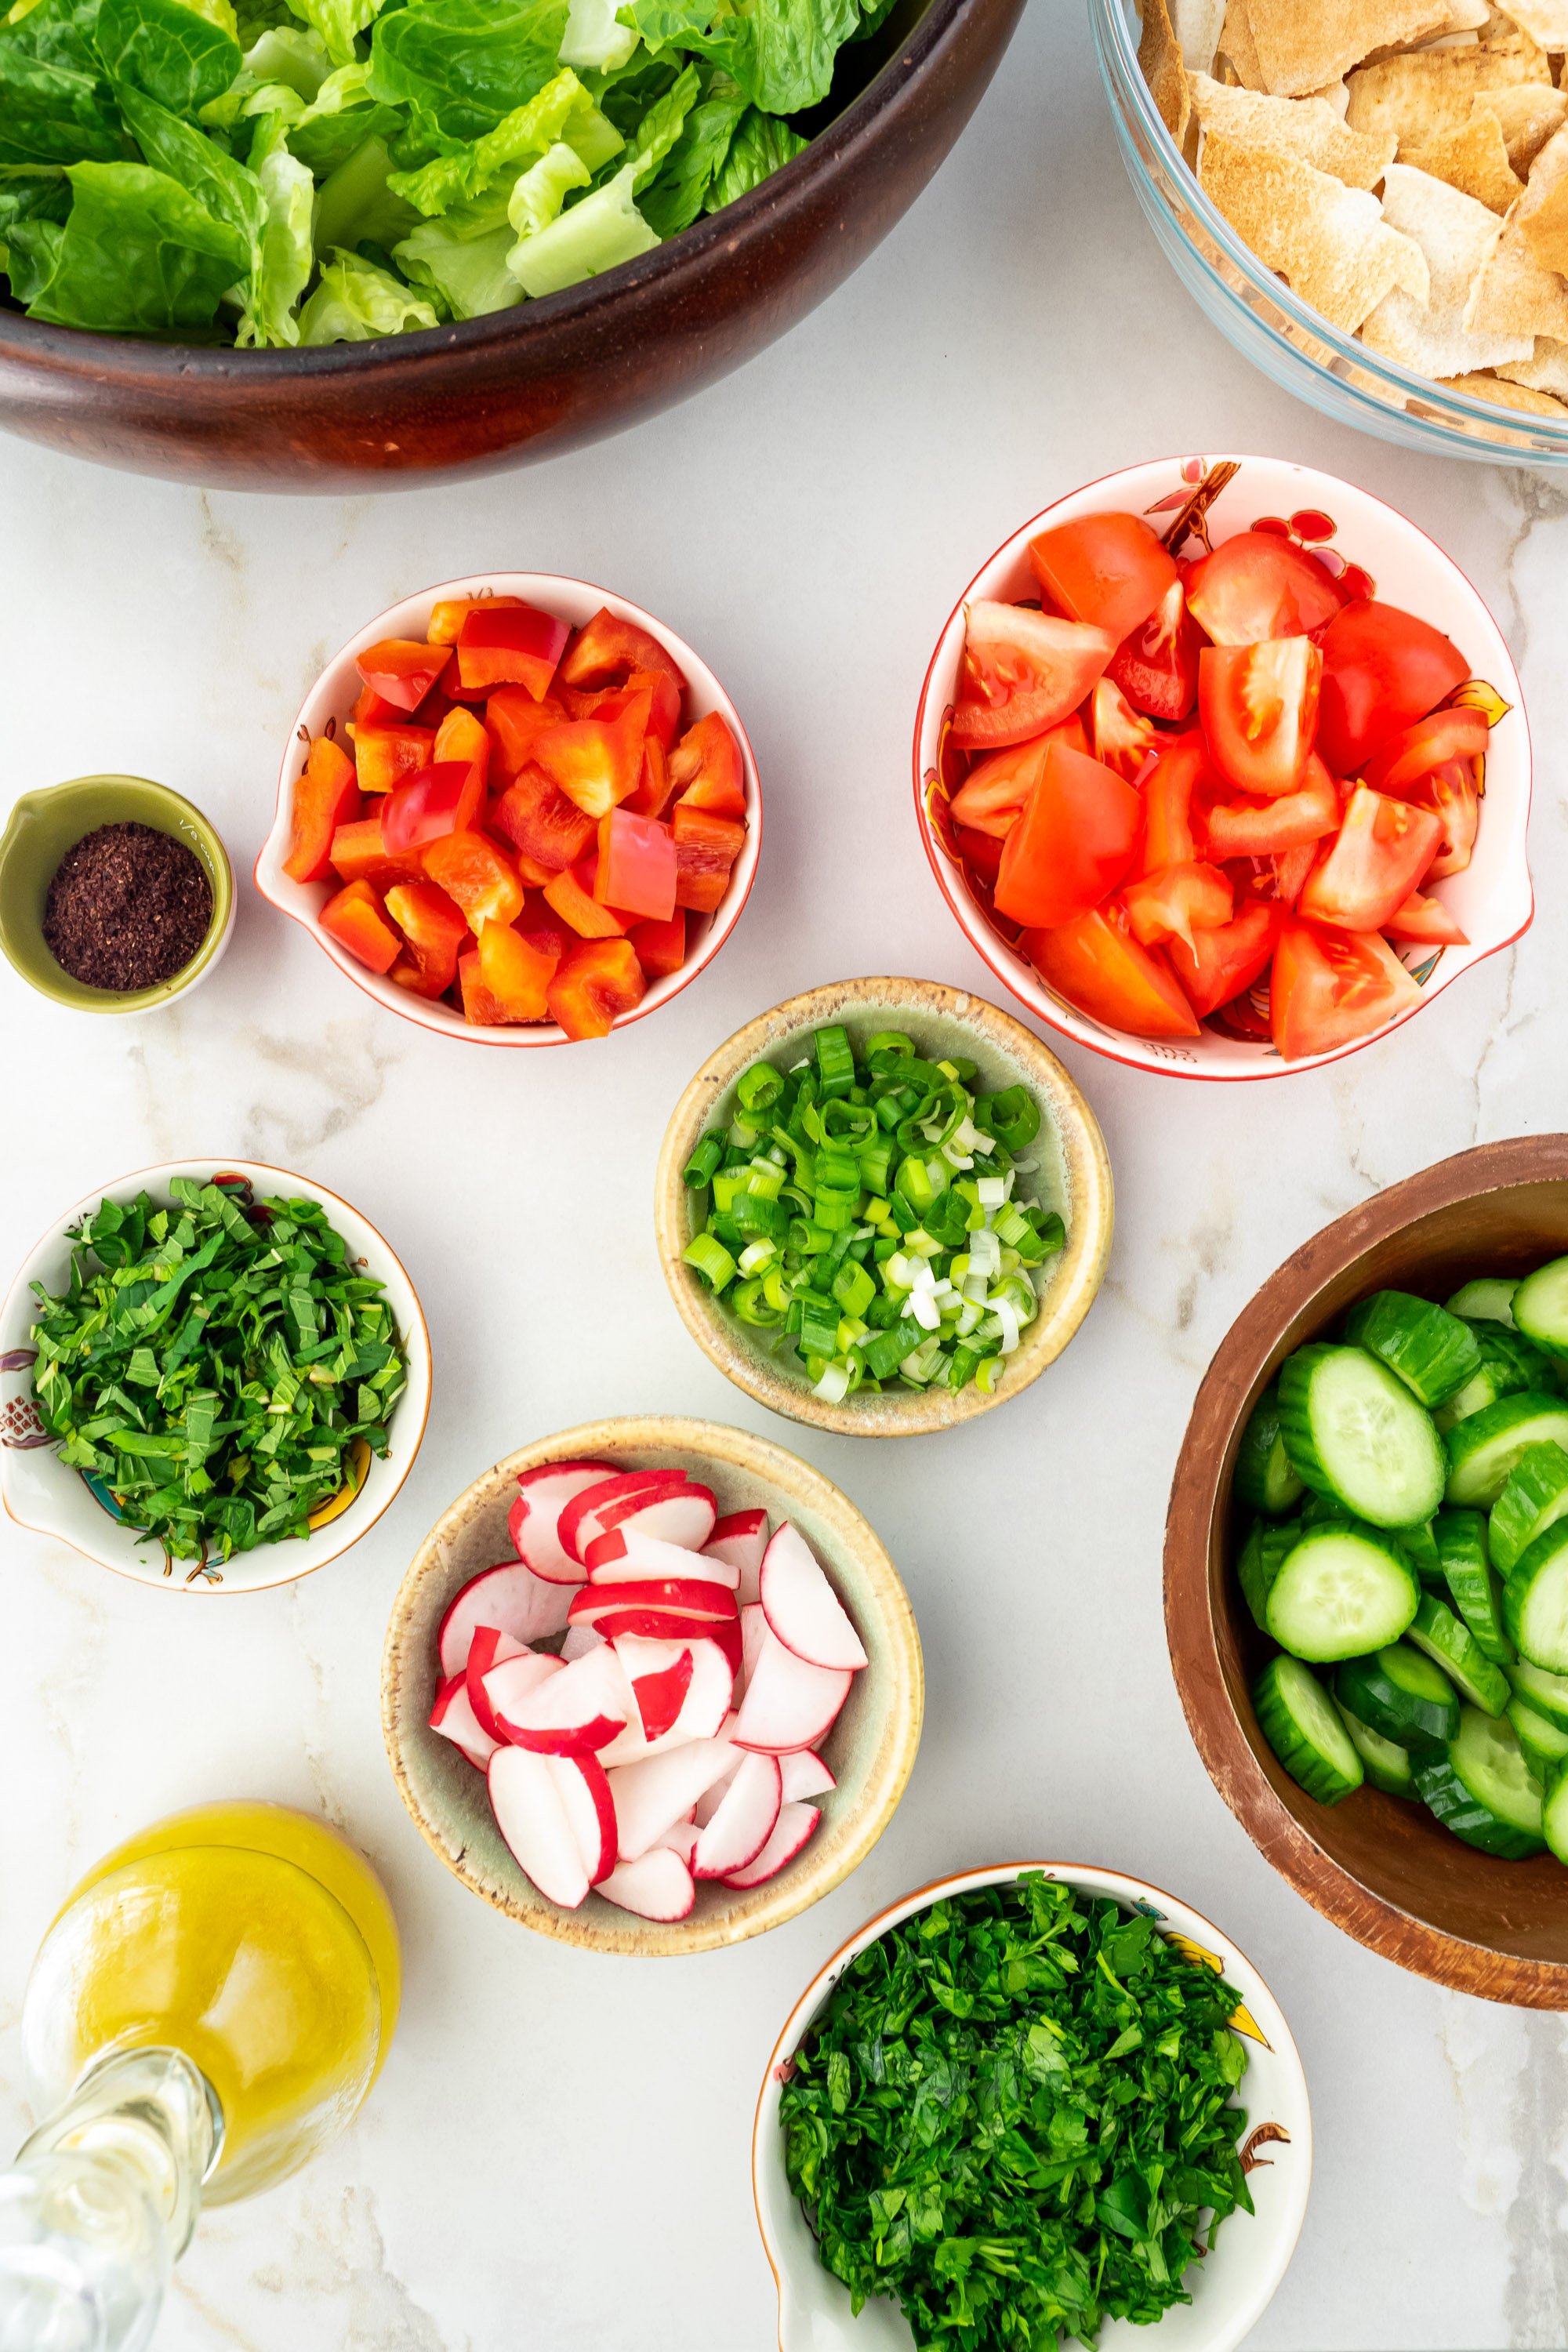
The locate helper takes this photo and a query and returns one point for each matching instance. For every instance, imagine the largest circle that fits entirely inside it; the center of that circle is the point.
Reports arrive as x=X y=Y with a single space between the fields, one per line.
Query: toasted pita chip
x=1428 y=95
x=1302 y=44
x=1198 y=28
x=1528 y=115
x=1542 y=215
x=1307 y=127
x=1160 y=55
x=1505 y=395
x=1236 y=46
x=1547 y=372
x=1468 y=15
x=1545 y=21
x=1514 y=296
x=1326 y=241
x=1334 y=94
x=1474 y=159
x=1457 y=237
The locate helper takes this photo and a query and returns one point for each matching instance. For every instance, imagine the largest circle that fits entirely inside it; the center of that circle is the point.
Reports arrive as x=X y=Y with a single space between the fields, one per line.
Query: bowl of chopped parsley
x=214 y=1377
x=1026 y=2106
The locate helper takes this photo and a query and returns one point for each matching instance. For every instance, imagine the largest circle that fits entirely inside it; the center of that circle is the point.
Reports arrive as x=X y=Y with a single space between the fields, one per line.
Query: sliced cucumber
x=1547 y=1693
x=1265 y=1477
x=1354 y=1431
x=1535 y=1494
x=1451 y=1643
x=1540 y=1308
x=1321 y=1510
x=1485 y=1388
x=1402 y=1695
x=1432 y=1351
x=1298 y=1719
x=1487 y=1301
x=1528 y=1366
x=1484 y=1790
x=1386 y=1764
x=1544 y=1744
x=1472 y=1581
x=1535 y=1601
x=1339 y=1593
x=1262 y=1557
x=1485 y=1451
x=1554 y=1817
x=1420 y=1547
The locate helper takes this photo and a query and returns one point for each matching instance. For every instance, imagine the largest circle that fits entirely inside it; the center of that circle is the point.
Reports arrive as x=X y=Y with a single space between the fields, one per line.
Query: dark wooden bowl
x=1382 y=1869
x=486 y=392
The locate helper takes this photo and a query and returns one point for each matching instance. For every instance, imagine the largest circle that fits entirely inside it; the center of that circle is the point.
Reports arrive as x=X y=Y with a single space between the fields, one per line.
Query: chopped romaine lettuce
x=540 y=191
x=136 y=254
x=601 y=230
x=356 y=302
x=465 y=265
x=596 y=40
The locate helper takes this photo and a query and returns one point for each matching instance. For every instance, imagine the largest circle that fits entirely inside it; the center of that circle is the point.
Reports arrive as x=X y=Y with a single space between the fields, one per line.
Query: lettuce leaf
x=540 y=192
x=527 y=132
x=465 y=267
x=283 y=53
x=30 y=196
x=466 y=63
x=679 y=193
x=356 y=302
x=286 y=255
x=595 y=39
x=598 y=234
x=338 y=22
x=762 y=146
x=55 y=107
x=180 y=59
x=137 y=256
x=203 y=168
x=781 y=52
x=355 y=205
x=662 y=125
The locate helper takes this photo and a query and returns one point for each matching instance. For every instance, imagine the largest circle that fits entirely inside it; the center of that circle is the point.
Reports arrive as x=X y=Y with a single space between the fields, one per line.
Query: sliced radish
x=740 y=1538
x=657 y=1886
x=795 y=1826
x=805 y=1774
x=660 y=1676
x=802 y=1607
x=704 y=1709
x=580 y=1640
x=487 y=1649
x=609 y=1500
x=583 y=1790
x=682 y=1515
x=534 y=1519
x=592 y=1602
x=753 y=1634
x=627 y=1556
x=788 y=1703
x=708 y=1804
x=508 y=1598
x=681 y=1838
x=651 y=1796
x=743 y=1822
x=453 y=1716
x=533 y=1817
x=580 y=1706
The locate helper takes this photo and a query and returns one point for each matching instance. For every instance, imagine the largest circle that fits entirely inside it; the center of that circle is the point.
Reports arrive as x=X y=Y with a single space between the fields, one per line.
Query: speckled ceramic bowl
x=870 y=1750
x=1074 y=1177
x=44 y=825
x=1230 y=2290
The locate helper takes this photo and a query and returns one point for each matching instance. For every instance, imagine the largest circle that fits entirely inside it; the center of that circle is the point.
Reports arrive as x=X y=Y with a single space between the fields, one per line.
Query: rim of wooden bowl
x=1075 y=1279
x=839 y=1848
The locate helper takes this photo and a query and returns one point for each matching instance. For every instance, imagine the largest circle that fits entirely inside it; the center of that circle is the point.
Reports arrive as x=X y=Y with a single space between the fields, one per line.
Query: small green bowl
x=44 y=825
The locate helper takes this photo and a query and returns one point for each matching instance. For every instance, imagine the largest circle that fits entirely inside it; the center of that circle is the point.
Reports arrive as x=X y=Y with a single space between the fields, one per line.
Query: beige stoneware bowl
x=871 y=1751
x=1074 y=1177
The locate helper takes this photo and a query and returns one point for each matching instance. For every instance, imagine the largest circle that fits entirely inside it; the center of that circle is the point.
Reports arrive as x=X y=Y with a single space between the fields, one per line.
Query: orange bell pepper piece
x=360 y=855
x=597 y=762
x=543 y=926
x=326 y=795
x=515 y=972
x=509 y=644
x=608 y=702
x=605 y=651
x=570 y=896
x=461 y=736
x=706 y=771
x=706 y=848
x=655 y=785
x=597 y=980
x=514 y=722
x=385 y=756
x=434 y=929
x=373 y=710
x=446 y=618
x=355 y=919
x=402 y=670
x=480 y=876
x=660 y=948
x=636 y=866
x=479 y=1006
x=538 y=819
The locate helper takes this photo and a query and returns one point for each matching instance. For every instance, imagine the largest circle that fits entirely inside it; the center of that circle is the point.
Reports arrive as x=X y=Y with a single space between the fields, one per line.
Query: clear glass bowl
x=1258 y=312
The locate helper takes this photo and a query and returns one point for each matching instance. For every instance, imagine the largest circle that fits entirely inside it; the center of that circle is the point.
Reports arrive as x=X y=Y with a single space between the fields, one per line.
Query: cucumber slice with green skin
x=1484 y=1790
x=1488 y=1384
x=1263 y=1555
x=1386 y=1764
x=1544 y=1745
x=1448 y=1641
x=1485 y=1451
x=1420 y=1546
x=1404 y=1696
x=1539 y=1307
x=1508 y=1365
x=1490 y=1300
x=1554 y=1817
x=1300 y=1722
x=1535 y=1494
x=1546 y=1694
x=1340 y=1591
x=1353 y=1430
x=1535 y=1601
x=1265 y=1477
x=1474 y=1585
x=1321 y=1510
x=1431 y=1351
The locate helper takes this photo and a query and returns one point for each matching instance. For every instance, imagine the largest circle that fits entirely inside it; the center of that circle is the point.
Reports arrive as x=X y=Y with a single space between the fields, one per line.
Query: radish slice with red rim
x=804 y=1774
x=488 y=1648
x=743 y=1822
x=580 y=1707
x=453 y=1716
x=534 y=1522
x=627 y=1556
x=788 y=1703
x=508 y=1599
x=584 y=1793
x=803 y=1610
x=533 y=1820
x=659 y=1885
x=739 y=1539
x=651 y=1796
x=796 y=1825
x=617 y=1496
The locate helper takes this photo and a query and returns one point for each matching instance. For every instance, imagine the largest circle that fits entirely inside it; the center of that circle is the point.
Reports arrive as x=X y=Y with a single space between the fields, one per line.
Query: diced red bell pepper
x=434 y=929
x=509 y=644
x=654 y=785
x=437 y=802
x=480 y=877
x=597 y=763
x=480 y=1007
x=1168 y=836
x=606 y=701
x=1177 y=902
x=1214 y=966
x=570 y=896
x=326 y=795
x=537 y=817
x=515 y=972
x=446 y=618
x=660 y=947
x=542 y=928
x=373 y=710
x=461 y=736
x=597 y=981
x=402 y=670
x=1426 y=920
x=706 y=848
x=516 y=722
x=360 y=855
x=605 y=651
x=636 y=866
x=385 y=756
x=355 y=919
x=706 y=771
x=534 y=873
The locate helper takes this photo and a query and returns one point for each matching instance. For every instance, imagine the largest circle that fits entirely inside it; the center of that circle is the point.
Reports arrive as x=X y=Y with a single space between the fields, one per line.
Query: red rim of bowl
x=540 y=1033
x=1047 y=1012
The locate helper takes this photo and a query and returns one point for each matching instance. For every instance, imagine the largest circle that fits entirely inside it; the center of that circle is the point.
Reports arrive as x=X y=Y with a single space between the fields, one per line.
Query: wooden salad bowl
x=482 y=393
x=1379 y=1867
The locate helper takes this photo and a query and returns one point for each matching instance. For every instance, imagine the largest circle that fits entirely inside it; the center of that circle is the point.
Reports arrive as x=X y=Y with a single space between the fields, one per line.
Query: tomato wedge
x=1098 y=965
x=1175 y=903
x=1455 y=796
x=1156 y=666
x=1426 y=920
x=1074 y=841
x=1260 y=708
x=1383 y=669
x=1214 y=966
x=1279 y=879
x=995 y=788
x=1430 y=743
x=1122 y=737
x=1168 y=836
x=1265 y=828
x=1330 y=988
x=1257 y=585
x=1107 y=569
x=1381 y=849
x=1023 y=670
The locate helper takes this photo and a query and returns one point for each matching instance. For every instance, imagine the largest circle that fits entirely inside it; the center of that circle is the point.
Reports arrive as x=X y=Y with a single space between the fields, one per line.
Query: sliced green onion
x=751 y=1304
x=853 y=1287
x=990 y=1372
x=1013 y=1116
x=833 y=1385
x=760 y=1088
x=709 y=1260
x=834 y=1060
x=704 y=1163
x=818 y=1325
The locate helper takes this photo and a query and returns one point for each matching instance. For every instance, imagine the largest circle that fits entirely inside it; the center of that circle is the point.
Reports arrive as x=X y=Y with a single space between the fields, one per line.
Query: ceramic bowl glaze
x=1230 y=2290
x=1492 y=897
x=44 y=825
x=41 y=1492
x=1073 y=1177
x=870 y=1750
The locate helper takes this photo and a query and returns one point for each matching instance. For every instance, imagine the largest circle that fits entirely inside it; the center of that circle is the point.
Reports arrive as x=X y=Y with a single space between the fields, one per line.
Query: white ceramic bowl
x=39 y=1491
x=333 y=698
x=1230 y=2290
x=1491 y=897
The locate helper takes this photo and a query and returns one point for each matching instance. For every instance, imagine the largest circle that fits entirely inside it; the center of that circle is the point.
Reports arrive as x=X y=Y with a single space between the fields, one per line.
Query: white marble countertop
x=807 y=524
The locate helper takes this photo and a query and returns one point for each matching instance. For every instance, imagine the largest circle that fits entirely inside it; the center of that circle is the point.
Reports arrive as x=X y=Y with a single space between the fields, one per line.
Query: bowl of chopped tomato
x=516 y=809
x=1222 y=766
